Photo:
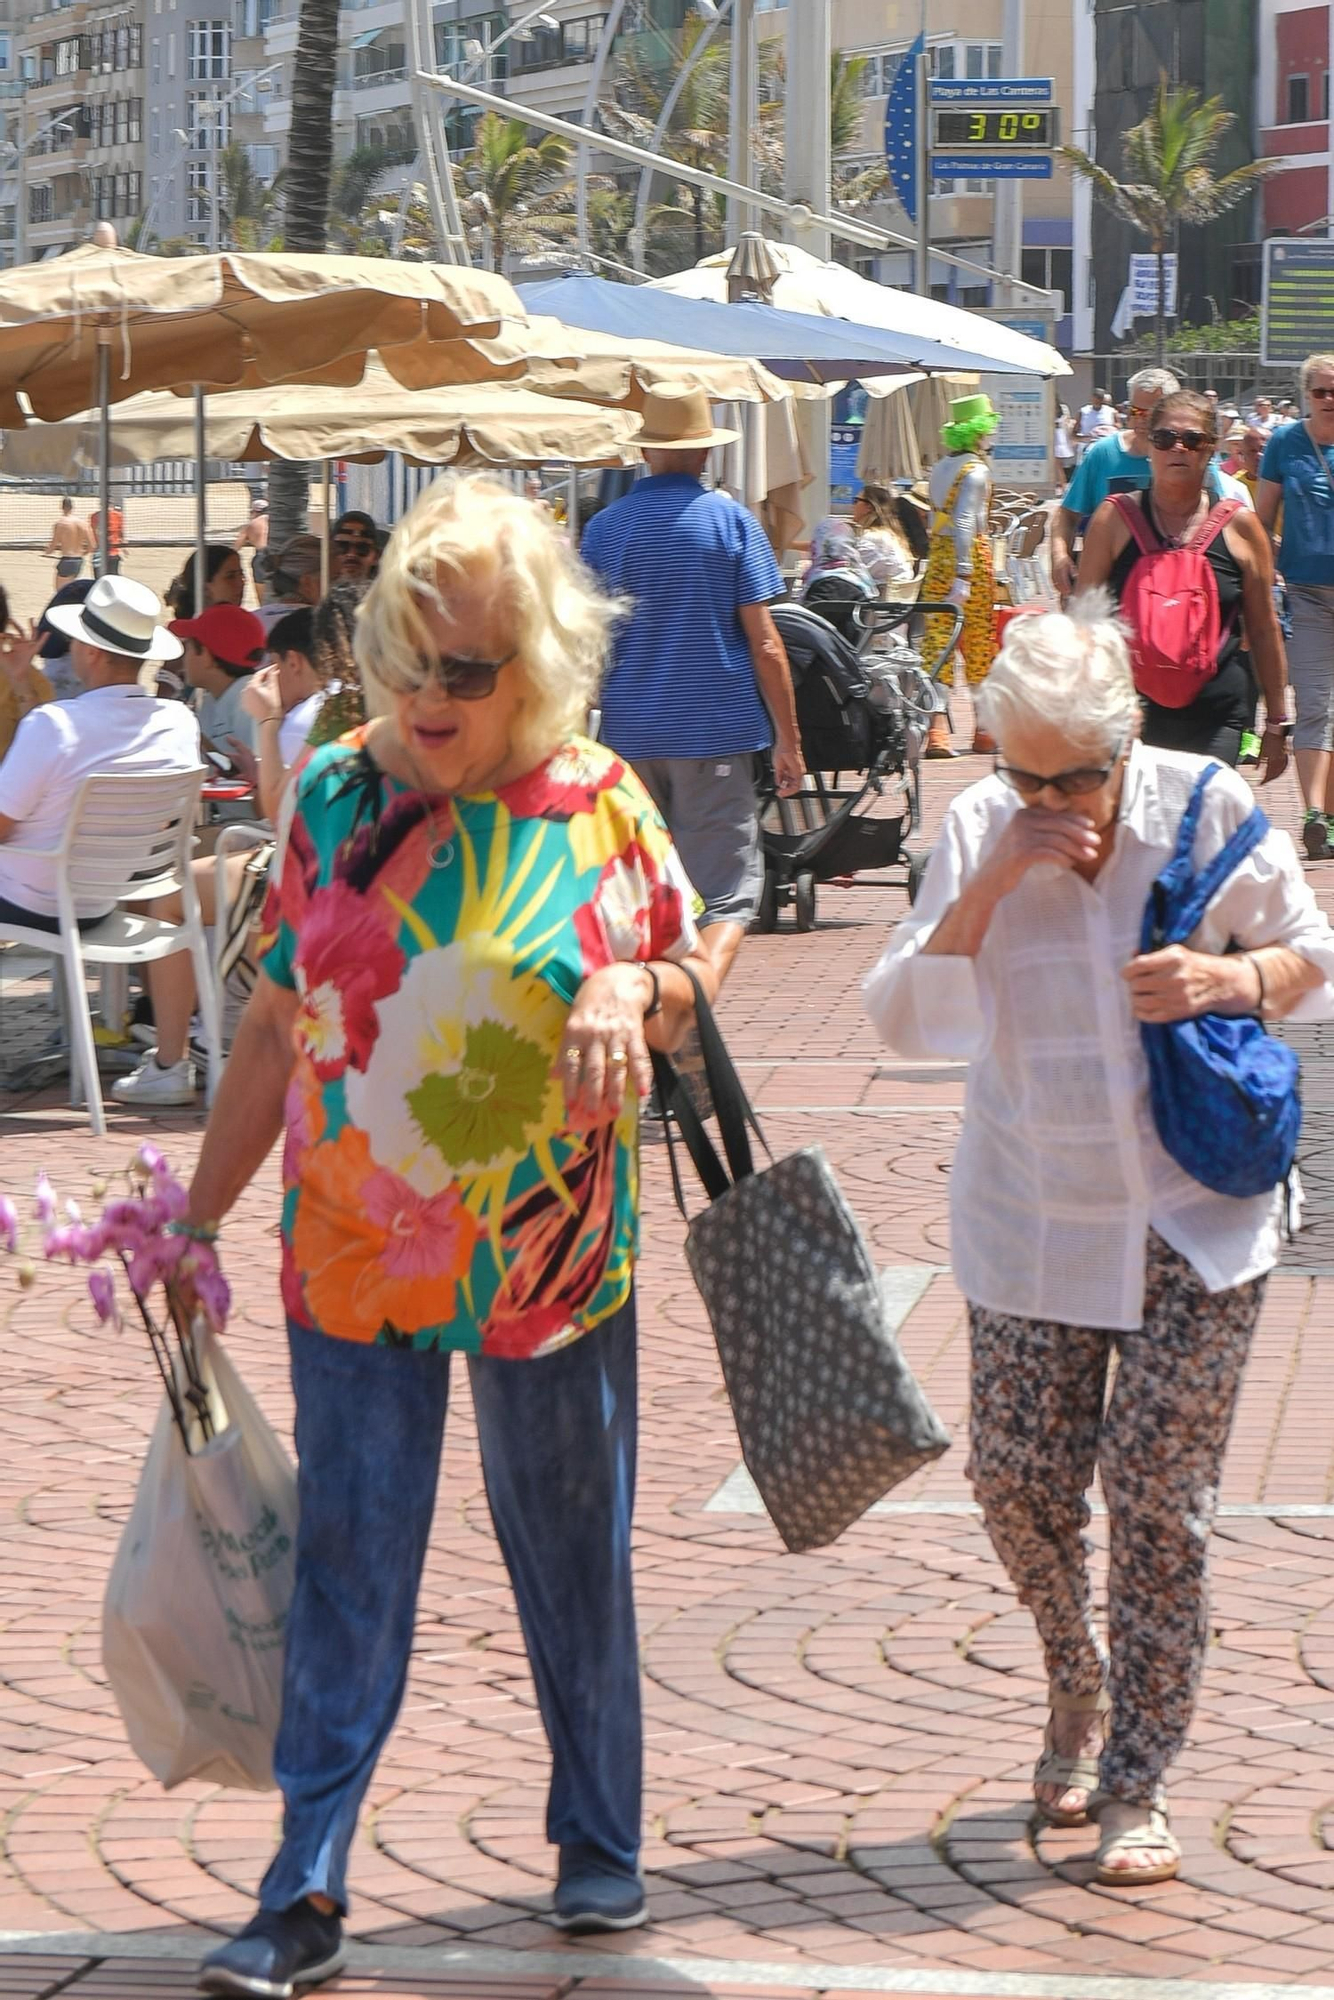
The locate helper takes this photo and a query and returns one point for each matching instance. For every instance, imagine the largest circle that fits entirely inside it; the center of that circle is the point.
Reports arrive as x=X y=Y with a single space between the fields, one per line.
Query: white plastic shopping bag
x=196 y=1605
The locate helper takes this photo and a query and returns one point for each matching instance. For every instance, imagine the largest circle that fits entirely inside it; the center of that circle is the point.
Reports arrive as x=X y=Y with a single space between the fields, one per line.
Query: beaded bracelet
x=198 y=1232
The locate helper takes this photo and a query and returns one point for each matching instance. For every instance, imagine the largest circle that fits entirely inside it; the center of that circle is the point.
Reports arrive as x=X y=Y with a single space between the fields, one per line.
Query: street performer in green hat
x=959 y=565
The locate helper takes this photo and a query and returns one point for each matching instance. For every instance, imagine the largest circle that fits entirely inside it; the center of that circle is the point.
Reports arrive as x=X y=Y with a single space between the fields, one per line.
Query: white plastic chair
x=235 y=838
x=128 y=840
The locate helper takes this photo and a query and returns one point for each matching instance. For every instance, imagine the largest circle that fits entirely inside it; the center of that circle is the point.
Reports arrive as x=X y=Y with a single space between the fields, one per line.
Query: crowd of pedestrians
x=478 y=922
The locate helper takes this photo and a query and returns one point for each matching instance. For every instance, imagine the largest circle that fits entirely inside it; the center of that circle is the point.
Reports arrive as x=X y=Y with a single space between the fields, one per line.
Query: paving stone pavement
x=838 y=1744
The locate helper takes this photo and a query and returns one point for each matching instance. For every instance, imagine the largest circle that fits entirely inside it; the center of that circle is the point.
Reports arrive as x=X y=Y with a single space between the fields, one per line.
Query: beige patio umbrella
x=472 y=424
x=102 y=323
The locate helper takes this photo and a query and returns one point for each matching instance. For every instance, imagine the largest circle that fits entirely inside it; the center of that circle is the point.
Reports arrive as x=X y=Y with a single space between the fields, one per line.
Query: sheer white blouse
x=1059 y=1173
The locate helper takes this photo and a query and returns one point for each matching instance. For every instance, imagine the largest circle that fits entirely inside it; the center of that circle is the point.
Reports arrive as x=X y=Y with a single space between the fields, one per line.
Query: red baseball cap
x=232 y=635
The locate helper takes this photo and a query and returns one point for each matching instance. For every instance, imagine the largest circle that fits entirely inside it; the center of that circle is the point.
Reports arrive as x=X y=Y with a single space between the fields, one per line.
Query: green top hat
x=967 y=409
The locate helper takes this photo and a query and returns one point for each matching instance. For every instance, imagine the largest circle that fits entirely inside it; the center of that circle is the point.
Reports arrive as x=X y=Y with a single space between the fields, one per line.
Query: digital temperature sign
x=1029 y=130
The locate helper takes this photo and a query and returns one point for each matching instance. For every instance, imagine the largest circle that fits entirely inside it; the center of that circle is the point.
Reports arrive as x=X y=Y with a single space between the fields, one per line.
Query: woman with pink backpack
x=1194 y=580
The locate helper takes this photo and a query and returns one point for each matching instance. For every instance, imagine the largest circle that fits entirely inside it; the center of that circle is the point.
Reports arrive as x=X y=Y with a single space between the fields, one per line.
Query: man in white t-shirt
x=1096 y=420
x=112 y=727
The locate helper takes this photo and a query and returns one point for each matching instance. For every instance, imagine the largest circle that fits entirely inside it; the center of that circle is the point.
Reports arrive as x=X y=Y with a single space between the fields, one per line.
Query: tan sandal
x=1152 y=1835
x=1072 y=1774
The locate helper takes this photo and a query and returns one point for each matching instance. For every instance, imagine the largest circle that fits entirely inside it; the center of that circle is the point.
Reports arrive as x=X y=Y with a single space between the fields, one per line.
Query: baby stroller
x=863 y=708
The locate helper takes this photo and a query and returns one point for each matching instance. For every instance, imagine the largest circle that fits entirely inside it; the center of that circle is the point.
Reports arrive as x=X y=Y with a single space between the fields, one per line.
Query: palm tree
x=306 y=187
x=699 y=126
x=245 y=202
x=510 y=183
x=1169 y=155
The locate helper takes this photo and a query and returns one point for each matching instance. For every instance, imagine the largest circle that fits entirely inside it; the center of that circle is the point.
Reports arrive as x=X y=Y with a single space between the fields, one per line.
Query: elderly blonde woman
x=1075 y=1237
x=478 y=926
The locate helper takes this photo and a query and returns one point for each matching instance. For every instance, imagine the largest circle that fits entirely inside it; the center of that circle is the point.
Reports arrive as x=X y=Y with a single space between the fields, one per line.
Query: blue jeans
x=558 y=1455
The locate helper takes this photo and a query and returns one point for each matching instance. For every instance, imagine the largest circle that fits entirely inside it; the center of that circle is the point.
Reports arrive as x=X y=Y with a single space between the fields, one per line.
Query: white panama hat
x=118 y=616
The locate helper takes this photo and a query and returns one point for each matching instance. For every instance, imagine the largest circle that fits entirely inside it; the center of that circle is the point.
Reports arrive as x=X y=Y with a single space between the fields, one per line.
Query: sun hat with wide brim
x=679 y=420
x=118 y=616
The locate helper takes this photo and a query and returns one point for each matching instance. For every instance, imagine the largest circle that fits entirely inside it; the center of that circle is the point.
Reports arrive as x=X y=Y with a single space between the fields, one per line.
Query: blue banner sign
x=992 y=166
x=901 y=146
x=993 y=90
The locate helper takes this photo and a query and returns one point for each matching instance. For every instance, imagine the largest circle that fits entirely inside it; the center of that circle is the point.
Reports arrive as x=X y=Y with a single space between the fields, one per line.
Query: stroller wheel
x=766 y=917
x=803 y=898
x=916 y=870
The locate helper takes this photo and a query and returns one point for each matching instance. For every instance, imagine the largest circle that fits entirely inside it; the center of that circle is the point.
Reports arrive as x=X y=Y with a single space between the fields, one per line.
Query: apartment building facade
x=1292 y=117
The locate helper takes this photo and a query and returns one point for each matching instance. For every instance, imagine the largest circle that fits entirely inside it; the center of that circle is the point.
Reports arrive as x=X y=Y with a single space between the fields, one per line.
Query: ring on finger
x=574 y=1058
x=619 y=1058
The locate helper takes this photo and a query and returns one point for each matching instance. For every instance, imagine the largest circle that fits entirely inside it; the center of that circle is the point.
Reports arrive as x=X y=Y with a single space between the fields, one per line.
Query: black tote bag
x=828 y=1412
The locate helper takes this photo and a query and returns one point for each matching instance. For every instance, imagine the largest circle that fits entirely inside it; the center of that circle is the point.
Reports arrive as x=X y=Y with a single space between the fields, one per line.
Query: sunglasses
x=1164 y=440
x=353 y=545
x=1320 y=395
x=1070 y=784
x=465 y=680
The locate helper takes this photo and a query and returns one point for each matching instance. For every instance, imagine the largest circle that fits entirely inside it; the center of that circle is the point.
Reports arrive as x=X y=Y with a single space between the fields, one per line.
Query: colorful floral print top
x=435 y=1195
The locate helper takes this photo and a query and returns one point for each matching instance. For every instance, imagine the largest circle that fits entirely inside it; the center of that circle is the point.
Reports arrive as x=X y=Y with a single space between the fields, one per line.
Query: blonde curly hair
x=560 y=619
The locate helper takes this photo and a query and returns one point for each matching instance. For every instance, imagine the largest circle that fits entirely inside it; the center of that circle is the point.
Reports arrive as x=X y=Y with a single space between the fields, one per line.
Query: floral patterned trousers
x=1042 y=1421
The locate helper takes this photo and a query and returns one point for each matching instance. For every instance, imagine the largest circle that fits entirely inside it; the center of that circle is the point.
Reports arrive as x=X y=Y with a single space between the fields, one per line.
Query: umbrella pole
x=572 y=505
x=201 y=501
x=324 y=538
x=104 y=450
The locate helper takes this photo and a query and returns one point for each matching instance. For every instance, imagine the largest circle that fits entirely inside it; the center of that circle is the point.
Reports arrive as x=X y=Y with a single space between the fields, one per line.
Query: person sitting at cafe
x=23 y=685
x=113 y=727
x=355 y=548
x=223 y=647
x=295 y=579
x=284 y=698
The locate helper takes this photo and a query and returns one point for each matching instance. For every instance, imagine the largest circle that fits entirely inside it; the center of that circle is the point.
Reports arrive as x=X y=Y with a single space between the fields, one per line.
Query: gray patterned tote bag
x=828 y=1412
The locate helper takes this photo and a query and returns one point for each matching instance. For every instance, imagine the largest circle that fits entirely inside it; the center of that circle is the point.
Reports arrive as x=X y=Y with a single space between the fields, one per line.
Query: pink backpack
x=1170 y=603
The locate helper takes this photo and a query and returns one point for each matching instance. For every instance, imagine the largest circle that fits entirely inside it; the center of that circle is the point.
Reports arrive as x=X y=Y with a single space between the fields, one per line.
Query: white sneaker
x=151 y=1083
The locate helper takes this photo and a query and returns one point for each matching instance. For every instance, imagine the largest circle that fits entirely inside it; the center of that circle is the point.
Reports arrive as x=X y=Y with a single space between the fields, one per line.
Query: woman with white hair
x=479 y=927
x=1075 y=1235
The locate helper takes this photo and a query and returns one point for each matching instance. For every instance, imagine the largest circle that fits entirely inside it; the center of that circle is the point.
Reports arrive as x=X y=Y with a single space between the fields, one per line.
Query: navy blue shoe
x=593 y=1895
x=279 y=1953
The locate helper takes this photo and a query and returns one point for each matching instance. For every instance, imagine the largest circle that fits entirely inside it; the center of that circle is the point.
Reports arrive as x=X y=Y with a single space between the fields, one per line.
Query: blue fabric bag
x=1225 y=1094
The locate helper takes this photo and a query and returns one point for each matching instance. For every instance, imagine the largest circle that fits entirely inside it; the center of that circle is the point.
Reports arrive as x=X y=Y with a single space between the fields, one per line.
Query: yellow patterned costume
x=977 y=641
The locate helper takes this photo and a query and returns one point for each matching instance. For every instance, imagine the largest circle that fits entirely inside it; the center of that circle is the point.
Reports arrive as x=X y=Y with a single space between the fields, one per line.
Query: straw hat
x=679 y=420
x=118 y=616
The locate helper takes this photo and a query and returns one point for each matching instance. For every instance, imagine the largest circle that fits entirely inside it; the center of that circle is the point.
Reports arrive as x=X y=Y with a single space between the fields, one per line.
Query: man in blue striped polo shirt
x=699 y=682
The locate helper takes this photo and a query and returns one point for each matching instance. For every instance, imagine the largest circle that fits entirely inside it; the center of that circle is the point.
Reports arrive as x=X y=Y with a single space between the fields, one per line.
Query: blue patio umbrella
x=798 y=346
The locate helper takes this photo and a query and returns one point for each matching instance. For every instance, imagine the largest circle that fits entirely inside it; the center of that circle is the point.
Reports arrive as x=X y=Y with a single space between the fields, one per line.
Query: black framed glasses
x=1070 y=784
x=1164 y=439
x=464 y=680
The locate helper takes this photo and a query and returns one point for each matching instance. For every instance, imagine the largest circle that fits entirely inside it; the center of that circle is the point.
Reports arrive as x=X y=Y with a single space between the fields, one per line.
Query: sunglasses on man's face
x=353 y=545
x=1166 y=440
x=1320 y=395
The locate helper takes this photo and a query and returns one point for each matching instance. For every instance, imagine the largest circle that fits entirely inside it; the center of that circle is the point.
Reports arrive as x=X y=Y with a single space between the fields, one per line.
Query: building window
x=198 y=205
x=202 y=115
x=67 y=57
x=136 y=45
x=210 y=50
x=567 y=42
x=157 y=59
x=41 y=203
x=969 y=60
x=263 y=161
x=1052 y=268
x=1298 y=92
x=136 y=120
x=5 y=47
